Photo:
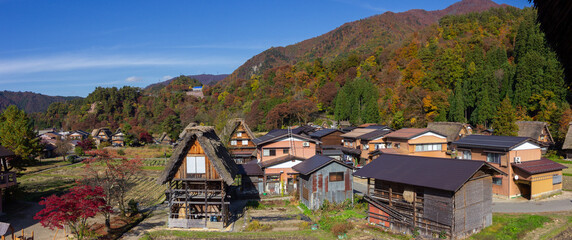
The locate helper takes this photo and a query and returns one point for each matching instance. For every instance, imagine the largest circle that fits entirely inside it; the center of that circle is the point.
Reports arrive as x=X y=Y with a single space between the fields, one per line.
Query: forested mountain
x=28 y=101
x=401 y=69
x=363 y=37
x=204 y=79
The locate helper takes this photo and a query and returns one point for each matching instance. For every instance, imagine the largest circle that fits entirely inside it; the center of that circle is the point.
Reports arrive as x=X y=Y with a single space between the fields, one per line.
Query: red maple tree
x=73 y=209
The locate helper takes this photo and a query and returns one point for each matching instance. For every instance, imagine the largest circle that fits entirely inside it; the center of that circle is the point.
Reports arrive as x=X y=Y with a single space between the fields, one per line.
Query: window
x=427 y=147
x=285 y=151
x=493 y=157
x=196 y=165
x=556 y=179
x=397 y=145
x=467 y=155
x=239 y=134
x=379 y=146
x=336 y=176
x=388 y=145
x=233 y=142
x=497 y=181
x=269 y=152
x=244 y=142
x=365 y=146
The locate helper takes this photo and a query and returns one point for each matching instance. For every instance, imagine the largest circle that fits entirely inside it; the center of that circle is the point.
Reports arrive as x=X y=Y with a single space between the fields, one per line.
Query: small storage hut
x=324 y=178
x=429 y=195
x=198 y=175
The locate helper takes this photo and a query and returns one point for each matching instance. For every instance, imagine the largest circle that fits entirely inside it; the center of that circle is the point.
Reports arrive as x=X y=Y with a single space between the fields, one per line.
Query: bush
x=121 y=152
x=78 y=151
x=256 y=226
x=103 y=145
x=303 y=225
x=342 y=228
x=73 y=158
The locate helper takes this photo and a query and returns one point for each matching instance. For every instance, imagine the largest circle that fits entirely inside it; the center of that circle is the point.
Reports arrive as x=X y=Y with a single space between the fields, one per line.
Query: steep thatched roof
x=213 y=148
x=231 y=126
x=568 y=141
x=449 y=129
x=555 y=17
x=533 y=129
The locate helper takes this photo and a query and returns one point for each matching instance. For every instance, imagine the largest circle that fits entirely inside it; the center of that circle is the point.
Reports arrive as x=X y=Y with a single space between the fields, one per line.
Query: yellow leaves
x=413 y=73
x=222 y=96
x=366 y=66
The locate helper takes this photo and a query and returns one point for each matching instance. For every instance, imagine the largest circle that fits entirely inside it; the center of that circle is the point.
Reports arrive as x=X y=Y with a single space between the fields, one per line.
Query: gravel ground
x=559 y=203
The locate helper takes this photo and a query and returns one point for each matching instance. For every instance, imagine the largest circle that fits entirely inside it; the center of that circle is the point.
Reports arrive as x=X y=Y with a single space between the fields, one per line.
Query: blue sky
x=68 y=48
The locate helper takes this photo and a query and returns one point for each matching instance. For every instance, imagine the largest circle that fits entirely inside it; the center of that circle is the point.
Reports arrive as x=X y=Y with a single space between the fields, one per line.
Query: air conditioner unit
x=516 y=159
x=306 y=144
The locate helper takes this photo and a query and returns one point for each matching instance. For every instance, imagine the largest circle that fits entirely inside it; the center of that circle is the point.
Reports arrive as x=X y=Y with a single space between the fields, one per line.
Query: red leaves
x=80 y=203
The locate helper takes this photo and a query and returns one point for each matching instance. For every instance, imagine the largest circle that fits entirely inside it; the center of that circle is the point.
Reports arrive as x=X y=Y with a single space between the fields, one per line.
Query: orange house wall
x=508 y=188
x=299 y=150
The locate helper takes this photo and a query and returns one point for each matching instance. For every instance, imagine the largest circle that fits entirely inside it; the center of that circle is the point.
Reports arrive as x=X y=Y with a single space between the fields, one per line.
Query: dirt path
x=21 y=216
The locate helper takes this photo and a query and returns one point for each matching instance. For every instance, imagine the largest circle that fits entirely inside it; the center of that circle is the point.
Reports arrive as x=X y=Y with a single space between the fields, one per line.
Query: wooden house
x=372 y=141
x=453 y=130
x=323 y=178
x=418 y=142
x=251 y=179
x=432 y=196
x=198 y=176
x=567 y=146
x=101 y=135
x=118 y=138
x=328 y=136
x=519 y=158
x=277 y=152
x=351 y=140
x=165 y=139
x=7 y=179
x=238 y=138
x=538 y=131
x=78 y=135
x=279 y=176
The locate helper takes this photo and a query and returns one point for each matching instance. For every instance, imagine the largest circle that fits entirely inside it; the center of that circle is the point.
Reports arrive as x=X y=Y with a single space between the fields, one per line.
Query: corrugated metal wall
x=319 y=186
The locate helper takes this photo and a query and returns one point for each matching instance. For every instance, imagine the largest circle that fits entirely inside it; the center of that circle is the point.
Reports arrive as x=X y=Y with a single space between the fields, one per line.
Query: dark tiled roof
x=383 y=151
x=322 y=133
x=279 y=160
x=279 y=133
x=5 y=152
x=375 y=134
x=250 y=169
x=332 y=152
x=314 y=163
x=348 y=129
x=345 y=150
x=539 y=166
x=502 y=143
x=438 y=173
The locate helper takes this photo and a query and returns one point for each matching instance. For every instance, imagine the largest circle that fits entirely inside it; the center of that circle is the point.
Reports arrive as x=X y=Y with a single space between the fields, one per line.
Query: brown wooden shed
x=432 y=196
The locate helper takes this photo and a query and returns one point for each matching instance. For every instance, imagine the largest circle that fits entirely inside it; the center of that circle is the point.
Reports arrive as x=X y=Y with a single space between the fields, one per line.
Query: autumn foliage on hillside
x=458 y=69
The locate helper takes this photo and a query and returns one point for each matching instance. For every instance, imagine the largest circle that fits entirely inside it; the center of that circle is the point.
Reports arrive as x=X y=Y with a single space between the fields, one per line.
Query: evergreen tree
x=504 y=122
x=17 y=134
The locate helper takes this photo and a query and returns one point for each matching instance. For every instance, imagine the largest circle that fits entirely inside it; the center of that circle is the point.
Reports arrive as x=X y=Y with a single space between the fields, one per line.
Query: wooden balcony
x=7 y=179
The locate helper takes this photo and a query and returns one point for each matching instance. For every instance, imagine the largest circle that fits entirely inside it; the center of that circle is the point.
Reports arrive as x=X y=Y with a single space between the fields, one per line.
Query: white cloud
x=74 y=62
x=166 y=77
x=133 y=79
